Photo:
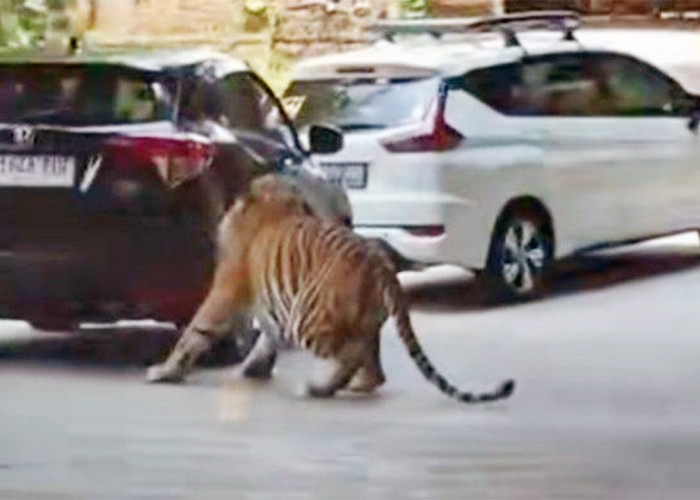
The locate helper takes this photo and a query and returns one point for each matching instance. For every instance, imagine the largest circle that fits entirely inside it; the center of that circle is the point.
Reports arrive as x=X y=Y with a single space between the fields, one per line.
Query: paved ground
x=607 y=404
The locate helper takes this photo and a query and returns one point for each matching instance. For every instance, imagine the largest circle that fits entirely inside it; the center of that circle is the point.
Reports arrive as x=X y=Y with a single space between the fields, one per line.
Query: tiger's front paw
x=165 y=373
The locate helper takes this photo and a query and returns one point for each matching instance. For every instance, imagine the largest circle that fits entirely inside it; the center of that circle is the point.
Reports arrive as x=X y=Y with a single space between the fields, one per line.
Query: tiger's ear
x=297 y=197
x=260 y=185
x=307 y=208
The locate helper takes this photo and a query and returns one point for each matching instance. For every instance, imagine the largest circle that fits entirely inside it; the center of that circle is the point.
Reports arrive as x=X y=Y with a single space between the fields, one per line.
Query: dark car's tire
x=229 y=348
x=223 y=352
x=55 y=324
x=520 y=255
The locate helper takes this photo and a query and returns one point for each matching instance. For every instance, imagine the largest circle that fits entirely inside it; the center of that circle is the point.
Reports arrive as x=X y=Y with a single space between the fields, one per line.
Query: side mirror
x=324 y=139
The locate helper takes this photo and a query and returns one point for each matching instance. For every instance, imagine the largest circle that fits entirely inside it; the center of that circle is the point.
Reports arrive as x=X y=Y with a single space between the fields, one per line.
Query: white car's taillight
x=442 y=138
x=436 y=136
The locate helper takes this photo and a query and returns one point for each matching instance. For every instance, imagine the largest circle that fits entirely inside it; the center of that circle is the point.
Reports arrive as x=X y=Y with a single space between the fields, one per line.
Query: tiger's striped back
x=312 y=279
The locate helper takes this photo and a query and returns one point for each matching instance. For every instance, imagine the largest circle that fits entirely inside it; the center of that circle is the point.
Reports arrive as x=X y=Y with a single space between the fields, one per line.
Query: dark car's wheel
x=55 y=324
x=232 y=347
x=230 y=350
x=520 y=254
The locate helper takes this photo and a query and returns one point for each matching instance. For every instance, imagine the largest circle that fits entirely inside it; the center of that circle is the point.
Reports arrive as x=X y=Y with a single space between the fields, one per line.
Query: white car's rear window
x=358 y=104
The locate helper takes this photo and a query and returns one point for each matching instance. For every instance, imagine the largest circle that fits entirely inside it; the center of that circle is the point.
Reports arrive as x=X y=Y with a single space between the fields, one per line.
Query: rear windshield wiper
x=349 y=127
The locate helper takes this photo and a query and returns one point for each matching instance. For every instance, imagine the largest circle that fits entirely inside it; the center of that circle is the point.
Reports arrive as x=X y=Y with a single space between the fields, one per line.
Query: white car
x=505 y=156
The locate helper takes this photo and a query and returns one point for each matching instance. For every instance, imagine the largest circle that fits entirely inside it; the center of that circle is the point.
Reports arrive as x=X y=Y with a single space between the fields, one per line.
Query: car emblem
x=23 y=136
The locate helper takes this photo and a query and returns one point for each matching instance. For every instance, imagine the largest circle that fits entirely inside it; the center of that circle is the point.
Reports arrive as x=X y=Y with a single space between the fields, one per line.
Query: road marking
x=235 y=401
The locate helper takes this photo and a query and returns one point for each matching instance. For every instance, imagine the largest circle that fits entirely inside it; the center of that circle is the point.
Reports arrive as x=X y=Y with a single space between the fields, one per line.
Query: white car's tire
x=520 y=255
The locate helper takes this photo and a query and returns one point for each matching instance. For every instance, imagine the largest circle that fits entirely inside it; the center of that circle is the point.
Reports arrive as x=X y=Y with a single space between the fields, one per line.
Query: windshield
x=79 y=95
x=360 y=103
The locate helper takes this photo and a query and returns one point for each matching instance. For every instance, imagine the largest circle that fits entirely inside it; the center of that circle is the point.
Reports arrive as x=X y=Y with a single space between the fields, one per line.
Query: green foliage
x=414 y=8
x=22 y=23
x=56 y=4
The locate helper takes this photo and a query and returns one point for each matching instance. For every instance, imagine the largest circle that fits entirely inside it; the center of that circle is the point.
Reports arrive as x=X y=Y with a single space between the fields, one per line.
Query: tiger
x=311 y=283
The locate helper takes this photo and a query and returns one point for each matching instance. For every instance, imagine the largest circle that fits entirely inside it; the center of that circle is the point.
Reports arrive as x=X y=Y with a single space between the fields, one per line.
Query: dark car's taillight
x=176 y=160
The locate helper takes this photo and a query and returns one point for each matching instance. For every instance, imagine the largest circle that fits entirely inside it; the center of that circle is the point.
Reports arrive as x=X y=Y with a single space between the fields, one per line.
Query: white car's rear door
x=618 y=161
x=649 y=115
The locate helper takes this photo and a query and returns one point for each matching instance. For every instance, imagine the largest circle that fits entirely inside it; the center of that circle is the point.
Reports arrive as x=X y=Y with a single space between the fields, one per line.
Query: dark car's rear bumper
x=107 y=267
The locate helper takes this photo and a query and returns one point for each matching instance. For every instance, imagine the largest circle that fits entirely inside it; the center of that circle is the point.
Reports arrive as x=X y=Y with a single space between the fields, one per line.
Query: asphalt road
x=607 y=404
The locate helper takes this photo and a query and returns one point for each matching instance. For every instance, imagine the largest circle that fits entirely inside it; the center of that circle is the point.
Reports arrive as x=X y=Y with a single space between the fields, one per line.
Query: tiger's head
x=268 y=200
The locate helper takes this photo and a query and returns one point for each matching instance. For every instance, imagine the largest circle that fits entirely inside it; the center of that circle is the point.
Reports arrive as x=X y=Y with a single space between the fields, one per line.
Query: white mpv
x=505 y=156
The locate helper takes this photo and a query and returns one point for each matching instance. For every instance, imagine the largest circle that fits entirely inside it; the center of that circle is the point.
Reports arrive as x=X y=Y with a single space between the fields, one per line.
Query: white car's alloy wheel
x=521 y=251
x=523 y=256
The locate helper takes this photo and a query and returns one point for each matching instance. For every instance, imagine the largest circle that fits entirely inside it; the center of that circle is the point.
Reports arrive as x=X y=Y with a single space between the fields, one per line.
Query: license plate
x=349 y=174
x=37 y=170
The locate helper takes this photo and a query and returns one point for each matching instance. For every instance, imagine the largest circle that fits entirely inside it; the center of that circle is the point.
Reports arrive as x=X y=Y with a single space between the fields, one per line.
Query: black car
x=115 y=170
x=604 y=6
x=529 y=5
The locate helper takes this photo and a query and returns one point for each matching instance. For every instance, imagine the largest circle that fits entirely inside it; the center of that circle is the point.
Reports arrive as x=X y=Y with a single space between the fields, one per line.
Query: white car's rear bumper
x=423 y=249
x=393 y=218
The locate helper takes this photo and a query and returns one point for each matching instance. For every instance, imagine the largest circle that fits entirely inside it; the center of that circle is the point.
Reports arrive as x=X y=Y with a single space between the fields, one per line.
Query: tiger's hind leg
x=261 y=359
x=370 y=374
x=345 y=366
x=339 y=378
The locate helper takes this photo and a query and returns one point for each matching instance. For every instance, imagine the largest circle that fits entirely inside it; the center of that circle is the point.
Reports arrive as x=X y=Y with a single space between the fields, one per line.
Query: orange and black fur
x=311 y=283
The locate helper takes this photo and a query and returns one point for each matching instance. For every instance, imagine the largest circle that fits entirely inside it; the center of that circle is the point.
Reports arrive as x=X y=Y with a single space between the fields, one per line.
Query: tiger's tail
x=396 y=304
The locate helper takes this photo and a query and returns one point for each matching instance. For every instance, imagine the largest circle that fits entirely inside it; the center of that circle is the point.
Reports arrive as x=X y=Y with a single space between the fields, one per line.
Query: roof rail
x=508 y=24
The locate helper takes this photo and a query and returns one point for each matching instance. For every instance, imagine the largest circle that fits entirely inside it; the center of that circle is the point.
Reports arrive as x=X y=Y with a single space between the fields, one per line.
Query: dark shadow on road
x=574 y=275
x=114 y=348
x=121 y=348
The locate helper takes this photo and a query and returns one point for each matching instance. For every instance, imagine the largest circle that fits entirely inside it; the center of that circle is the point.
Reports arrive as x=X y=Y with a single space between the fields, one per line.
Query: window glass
x=366 y=103
x=241 y=109
x=634 y=88
x=79 y=95
x=237 y=101
x=242 y=103
x=133 y=100
x=575 y=85
x=554 y=86
x=561 y=86
x=496 y=86
x=273 y=118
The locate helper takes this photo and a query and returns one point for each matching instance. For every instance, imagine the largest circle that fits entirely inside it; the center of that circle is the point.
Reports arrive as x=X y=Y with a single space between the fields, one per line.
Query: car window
x=552 y=86
x=561 y=86
x=575 y=85
x=134 y=100
x=237 y=101
x=496 y=86
x=634 y=88
x=241 y=106
x=363 y=103
x=79 y=95
x=250 y=105
x=273 y=115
